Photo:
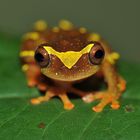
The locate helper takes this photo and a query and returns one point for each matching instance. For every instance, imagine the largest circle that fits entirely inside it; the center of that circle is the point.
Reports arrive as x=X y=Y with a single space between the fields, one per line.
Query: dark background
x=117 y=21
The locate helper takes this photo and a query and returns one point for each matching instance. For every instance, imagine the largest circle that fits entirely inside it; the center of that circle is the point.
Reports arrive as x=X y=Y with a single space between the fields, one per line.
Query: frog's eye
x=42 y=57
x=96 y=54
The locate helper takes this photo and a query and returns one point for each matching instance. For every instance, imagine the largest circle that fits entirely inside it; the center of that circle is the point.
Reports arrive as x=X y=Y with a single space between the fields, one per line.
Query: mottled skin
x=57 y=79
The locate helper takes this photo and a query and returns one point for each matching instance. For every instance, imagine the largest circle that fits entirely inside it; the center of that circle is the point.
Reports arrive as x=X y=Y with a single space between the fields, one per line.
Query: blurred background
x=117 y=21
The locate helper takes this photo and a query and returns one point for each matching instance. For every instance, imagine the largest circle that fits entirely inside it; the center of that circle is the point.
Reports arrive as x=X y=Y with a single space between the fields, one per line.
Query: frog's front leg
x=32 y=73
x=116 y=85
x=33 y=76
x=55 y=91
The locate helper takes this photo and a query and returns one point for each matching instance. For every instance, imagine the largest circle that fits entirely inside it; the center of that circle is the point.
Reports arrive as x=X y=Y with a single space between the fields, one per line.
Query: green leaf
x=19 y=120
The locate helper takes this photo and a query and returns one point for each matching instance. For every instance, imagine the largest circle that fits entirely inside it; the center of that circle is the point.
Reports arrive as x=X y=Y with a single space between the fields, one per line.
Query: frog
x=55 y=58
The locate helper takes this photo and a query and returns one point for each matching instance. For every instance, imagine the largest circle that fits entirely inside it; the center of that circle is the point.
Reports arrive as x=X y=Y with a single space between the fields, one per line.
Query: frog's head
x=70 y=65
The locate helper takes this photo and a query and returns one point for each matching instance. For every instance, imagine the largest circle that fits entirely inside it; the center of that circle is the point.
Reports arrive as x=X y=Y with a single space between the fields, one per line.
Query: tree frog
x=55 y=58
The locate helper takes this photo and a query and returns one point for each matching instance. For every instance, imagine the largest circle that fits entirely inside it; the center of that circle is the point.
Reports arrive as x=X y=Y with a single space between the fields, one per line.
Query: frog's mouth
x=69 y=76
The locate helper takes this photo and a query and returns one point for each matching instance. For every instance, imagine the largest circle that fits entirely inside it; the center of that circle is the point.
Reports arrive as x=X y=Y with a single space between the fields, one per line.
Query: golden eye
x=42 y=57
x=96 y=54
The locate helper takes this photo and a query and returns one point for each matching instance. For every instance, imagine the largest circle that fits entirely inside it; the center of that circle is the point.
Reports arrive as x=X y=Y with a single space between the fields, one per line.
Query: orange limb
x=67 y=103
x=116 y=86
x=32 y=73
x=40 y=99
x=55 y=91
x=106 y=98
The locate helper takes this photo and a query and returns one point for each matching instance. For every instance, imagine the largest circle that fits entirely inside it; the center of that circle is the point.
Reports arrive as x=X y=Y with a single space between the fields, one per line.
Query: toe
x=97 y=109
x=88 y=98
x=69 y=106
x=35 y=101
x=115 y=105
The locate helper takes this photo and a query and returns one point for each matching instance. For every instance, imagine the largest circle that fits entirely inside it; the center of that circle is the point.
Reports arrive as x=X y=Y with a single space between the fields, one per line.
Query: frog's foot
x=68 y=105
x=40 y=99
x=55 y=91
x=106 y=98
x=32 y=82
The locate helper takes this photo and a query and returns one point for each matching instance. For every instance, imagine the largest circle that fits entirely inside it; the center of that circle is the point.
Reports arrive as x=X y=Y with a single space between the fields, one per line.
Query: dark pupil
x=99 y=54
x=39 y=57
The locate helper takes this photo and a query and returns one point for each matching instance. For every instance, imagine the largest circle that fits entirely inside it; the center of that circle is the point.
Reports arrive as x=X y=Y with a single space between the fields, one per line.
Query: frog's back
x=63 y=38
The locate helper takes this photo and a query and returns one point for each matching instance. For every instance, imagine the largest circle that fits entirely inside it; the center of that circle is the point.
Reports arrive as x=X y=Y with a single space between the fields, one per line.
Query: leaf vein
x=14 y=116
x=53 y=120
x=87 y=126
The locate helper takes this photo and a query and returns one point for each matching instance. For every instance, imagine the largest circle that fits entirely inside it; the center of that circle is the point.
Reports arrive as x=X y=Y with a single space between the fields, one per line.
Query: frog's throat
x=69 y=58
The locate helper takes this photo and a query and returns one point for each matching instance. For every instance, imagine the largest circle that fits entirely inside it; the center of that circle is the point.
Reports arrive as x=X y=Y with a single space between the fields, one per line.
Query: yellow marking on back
x=25 y=67
x=94 y=37
x=65 y=25
x=40 y=25
x=69 y=58
x=82 y=30
x=55 y=29
x=113 y=57
x=31 y=35
x=26 y=53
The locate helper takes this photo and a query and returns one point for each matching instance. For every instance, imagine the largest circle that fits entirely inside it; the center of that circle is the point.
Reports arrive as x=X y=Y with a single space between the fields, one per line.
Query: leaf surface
x=21 y=120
